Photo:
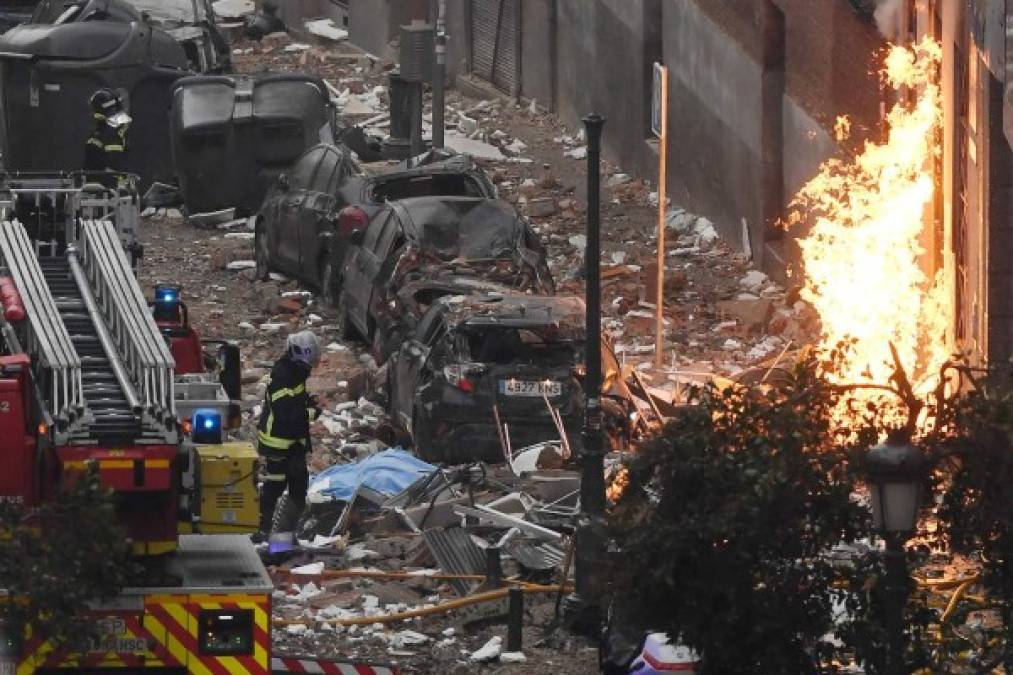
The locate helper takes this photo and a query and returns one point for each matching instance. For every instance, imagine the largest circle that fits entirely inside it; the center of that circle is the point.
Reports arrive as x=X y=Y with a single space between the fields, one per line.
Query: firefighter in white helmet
x=284 y=430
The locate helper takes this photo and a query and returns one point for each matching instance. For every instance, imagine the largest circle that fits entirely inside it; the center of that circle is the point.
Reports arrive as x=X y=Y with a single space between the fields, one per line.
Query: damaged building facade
x=756 y=89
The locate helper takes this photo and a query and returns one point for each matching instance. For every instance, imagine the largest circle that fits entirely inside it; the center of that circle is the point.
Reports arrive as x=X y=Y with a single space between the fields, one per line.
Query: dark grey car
x=295 y=231
x=473 y=358
x=342 y=203
x=426 y=237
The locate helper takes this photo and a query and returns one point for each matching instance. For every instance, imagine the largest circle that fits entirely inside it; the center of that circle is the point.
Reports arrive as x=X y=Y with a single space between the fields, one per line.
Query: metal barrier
x=46 y=338
x=125 y=312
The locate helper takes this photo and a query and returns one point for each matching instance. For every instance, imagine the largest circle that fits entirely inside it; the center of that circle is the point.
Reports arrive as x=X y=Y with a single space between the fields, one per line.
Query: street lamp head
x=895 y=471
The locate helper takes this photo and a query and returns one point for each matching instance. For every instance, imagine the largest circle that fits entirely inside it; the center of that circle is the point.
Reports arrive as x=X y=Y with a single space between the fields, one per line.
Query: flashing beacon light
x=207 y=427
x=167 y=297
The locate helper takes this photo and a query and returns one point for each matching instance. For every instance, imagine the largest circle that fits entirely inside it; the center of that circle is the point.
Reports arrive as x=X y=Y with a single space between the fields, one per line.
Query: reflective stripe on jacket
x=288 y=410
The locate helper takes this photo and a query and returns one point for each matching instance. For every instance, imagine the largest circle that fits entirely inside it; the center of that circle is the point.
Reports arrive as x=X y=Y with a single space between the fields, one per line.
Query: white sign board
x=656 y=95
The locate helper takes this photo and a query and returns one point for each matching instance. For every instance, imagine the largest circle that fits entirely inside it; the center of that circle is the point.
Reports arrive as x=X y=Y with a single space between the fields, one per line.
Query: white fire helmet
x=304 y=347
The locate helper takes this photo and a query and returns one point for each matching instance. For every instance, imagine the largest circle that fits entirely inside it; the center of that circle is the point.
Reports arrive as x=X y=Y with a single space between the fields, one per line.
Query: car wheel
x=422 y=439
x=328 y=286
x=262 y=255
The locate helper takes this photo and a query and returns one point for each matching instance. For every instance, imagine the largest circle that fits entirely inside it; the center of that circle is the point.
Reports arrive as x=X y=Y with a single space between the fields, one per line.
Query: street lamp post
x=896 y=472
x=582 y=607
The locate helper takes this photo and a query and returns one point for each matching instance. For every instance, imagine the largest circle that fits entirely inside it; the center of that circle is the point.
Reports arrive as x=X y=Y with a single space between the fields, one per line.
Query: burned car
x=308 y=195
x=476 y=360
x=415 y=239
x=293 y=233
x=190 y=22
x=15 y=13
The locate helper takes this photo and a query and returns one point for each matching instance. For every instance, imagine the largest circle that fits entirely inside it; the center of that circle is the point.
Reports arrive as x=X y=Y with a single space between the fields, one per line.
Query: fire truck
x=94 y=374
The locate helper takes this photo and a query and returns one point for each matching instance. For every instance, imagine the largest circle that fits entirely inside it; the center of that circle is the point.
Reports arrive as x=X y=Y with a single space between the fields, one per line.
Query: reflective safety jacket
x=106 y=148
x=288 y=408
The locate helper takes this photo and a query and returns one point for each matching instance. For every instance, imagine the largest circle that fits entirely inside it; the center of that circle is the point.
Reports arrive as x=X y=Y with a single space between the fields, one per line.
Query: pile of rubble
x=416 y=564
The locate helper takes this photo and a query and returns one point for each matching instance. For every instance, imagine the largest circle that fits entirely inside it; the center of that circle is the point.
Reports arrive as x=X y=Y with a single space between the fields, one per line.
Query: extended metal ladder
x=92 y=338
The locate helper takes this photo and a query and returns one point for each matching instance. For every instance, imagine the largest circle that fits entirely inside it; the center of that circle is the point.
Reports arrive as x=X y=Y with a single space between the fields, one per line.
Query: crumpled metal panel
x=456 y=553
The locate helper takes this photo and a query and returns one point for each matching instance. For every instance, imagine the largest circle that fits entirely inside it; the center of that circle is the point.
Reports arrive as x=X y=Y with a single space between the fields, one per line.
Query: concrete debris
x=238 y=265
x=233 y=9
x=490 y=651
x=476 y=149
x=325 y=28
x=296 y=47
x=512 y=657
x=577 y=153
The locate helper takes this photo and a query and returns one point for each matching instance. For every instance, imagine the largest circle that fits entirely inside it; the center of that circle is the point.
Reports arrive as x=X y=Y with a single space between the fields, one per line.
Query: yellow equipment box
x=229 y=501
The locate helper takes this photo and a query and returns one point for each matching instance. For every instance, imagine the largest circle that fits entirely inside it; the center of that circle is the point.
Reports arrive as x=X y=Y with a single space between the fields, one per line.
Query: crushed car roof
x=448 y=228
x=563 y=314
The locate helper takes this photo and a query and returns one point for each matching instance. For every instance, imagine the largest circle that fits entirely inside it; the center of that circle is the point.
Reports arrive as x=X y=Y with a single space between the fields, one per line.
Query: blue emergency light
x=167 y=299
x=167 y=294
x=207 y=426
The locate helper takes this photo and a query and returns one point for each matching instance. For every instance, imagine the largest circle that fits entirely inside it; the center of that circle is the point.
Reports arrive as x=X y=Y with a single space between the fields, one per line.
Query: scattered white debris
x=512 y=657
x=467 y=146
x=310 y=590
x=296 y=47
x=619 y=257
x=238 y=265
x=280 y=278
x=517 y=147
x=617 y=179
x=753 y=280
x=578 y=241
x=336 y=347
x=706 y=235
x=272 y=327
x=326 y=29
x=297 y=629
x=407 y=638
x=240 y=235
x=577 y=153
x=731 y=343
x=246 y=326
x=489 y=651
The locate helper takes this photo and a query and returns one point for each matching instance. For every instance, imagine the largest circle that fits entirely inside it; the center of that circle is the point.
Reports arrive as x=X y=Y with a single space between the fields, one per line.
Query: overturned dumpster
x=49 y=72
x=232 y=136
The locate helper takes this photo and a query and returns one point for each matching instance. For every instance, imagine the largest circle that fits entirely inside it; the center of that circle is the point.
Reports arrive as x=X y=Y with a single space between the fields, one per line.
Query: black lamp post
x=582 y=609
x=896 y=473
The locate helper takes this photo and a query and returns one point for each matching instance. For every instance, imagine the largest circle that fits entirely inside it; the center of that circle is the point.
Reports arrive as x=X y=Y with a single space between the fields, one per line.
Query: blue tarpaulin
x=388 y=472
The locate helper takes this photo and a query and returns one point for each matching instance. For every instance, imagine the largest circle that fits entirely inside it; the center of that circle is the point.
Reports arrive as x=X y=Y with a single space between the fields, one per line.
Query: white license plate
x=530 y=388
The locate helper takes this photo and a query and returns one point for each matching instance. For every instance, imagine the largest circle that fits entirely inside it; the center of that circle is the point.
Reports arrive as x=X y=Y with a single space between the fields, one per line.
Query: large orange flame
x=862 y=258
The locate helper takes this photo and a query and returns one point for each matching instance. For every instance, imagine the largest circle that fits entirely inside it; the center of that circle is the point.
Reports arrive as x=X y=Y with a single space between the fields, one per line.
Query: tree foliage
x=55 y=560
x=730 y=518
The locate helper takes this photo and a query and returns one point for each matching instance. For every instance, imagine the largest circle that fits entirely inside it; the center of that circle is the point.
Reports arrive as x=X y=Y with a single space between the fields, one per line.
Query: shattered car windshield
x=507 y=345
x=469 y=230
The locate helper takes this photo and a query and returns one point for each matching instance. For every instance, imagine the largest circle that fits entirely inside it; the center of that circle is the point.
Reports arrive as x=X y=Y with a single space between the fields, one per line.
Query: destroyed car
x=308 y=195
x=481 y=375
x=190 y=22
x=415 y=239
x=15 y=13
x=295 y=231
